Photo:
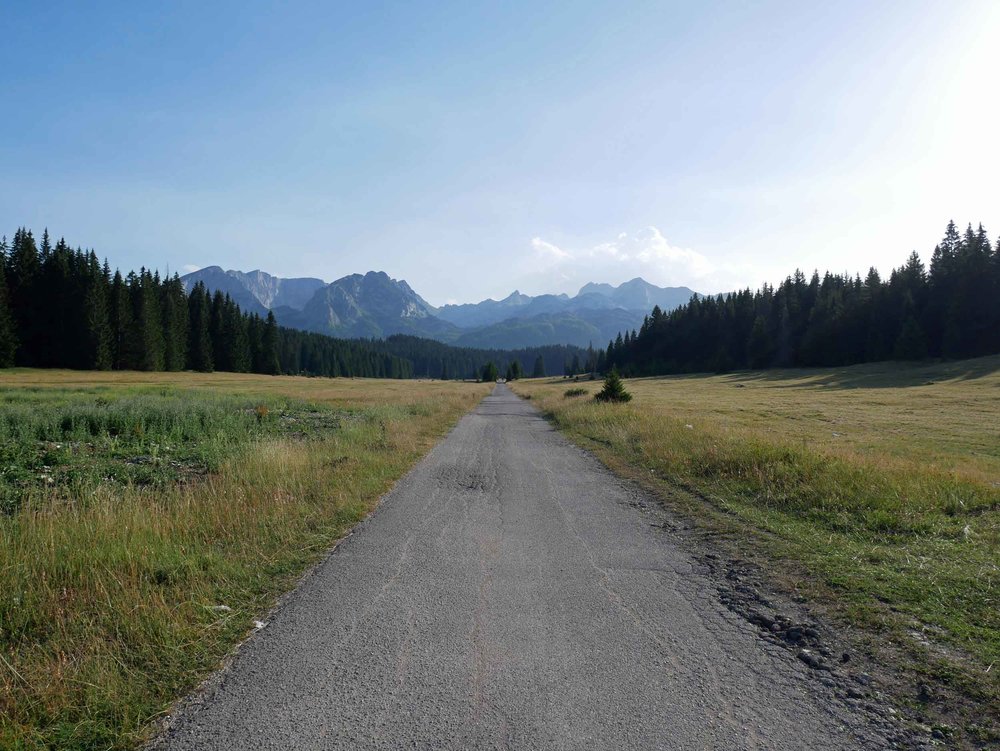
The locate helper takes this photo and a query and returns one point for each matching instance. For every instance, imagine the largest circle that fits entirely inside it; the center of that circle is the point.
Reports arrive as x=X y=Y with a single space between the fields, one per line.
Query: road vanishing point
x=511 y=593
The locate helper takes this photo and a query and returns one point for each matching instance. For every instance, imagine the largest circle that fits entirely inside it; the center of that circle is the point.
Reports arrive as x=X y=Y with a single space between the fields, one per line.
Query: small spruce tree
x=614 y=389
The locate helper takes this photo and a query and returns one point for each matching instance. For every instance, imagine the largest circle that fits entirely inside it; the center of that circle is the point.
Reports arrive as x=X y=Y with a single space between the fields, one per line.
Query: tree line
x=949 y=310
x=431 y=359
x=61 y=307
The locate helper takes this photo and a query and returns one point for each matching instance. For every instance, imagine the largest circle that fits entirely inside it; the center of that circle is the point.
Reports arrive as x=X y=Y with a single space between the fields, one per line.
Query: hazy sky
x=472 y=148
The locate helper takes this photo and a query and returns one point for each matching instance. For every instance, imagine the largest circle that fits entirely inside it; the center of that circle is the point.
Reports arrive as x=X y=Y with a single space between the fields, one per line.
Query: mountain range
x=374 y=305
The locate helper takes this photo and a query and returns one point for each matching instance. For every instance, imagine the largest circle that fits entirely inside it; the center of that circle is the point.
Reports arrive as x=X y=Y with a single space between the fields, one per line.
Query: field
x=875 y=490
x=147 y=520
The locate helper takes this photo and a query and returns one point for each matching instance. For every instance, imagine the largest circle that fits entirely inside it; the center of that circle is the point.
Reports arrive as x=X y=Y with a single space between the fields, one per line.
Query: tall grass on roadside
x=113 y=606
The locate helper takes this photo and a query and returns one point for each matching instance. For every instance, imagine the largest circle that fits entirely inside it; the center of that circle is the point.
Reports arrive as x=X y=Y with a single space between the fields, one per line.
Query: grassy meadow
x=875 y=489
x=146 y=521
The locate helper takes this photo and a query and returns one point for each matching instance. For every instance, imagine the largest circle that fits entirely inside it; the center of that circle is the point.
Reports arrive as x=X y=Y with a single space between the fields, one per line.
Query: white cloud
x=649 y=248
x=646 y=253
x=547 y=251
x=189 y=268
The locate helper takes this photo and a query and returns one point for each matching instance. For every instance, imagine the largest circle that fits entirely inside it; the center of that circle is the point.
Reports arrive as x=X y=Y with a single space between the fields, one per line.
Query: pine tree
x=174 y=306
x=974 y=303
x=269 y=346
x=255 y=343
x=614 y=389
x=123 y=354
x=46 y=249
x=236 y=342
x=8 y=339
x=216 y=330
x=147 y=322
x=539 y=370
x=490 y=372
x=23 y=271
x=993 y=342
x=940 y=322
x=98 y=344
x=759 y=345
x=911 y=343
x=199 y=340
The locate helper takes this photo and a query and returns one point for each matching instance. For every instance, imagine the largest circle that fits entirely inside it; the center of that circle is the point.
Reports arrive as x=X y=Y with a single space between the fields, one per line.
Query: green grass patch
x=65 y=443
x=123 y=583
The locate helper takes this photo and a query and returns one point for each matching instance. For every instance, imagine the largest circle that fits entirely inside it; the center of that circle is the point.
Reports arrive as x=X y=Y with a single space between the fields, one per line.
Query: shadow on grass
x=869 y=376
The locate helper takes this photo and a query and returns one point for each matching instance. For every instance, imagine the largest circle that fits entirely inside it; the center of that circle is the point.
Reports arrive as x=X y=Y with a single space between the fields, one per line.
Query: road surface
x=509 y=594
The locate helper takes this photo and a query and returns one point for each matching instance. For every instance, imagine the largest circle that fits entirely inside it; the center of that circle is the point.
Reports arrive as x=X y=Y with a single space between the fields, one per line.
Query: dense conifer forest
x=949 y=310
x=61 y=307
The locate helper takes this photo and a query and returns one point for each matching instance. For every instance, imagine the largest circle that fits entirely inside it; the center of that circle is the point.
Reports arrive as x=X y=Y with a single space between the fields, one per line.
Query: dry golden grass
x=880 y=483
x=352 y=392
x=110 y=604
x=945 y=417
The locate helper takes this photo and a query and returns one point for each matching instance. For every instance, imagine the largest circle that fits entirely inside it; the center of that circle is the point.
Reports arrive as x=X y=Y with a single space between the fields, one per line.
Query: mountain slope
x=638 y=294
x=483 y=313
x=255 y=291
x=372 y=305
x=580 y=328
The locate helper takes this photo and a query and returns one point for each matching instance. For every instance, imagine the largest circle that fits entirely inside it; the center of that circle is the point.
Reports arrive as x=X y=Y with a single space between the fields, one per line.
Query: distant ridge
x=637 y=296
x=374 y=305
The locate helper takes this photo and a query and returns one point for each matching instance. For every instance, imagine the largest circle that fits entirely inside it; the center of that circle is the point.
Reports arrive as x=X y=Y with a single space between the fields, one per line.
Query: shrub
x=576 y=392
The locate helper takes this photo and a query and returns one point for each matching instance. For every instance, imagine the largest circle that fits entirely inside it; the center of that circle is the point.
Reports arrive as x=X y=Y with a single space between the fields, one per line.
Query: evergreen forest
x=950 y=309
x=62 y=308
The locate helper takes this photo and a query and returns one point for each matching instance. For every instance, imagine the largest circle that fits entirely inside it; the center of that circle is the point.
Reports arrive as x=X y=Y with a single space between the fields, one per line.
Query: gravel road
x=510 y=593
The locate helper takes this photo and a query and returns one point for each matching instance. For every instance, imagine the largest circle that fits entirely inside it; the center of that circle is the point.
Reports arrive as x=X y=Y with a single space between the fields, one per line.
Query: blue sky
x=474 y=148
